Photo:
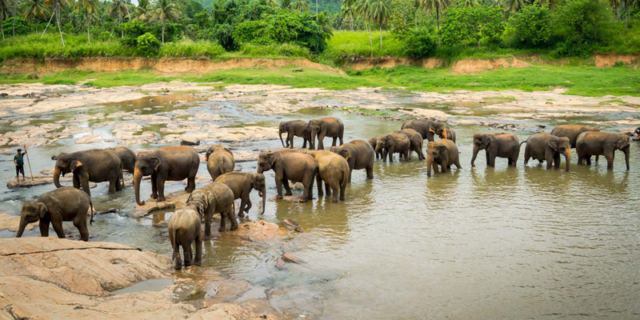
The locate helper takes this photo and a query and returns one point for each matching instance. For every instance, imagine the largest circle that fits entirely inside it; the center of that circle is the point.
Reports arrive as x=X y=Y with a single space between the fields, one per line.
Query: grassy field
x=585 y=81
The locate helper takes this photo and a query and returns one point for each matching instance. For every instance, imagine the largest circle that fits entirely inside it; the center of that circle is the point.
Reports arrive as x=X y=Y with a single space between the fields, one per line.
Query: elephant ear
x=228 y=150
x=271 y=157
x=486 y=139
x=553 y=144
x=442 y=148
x=623 y=142
x=42 y=209
x=75 y=164
x=155 y=163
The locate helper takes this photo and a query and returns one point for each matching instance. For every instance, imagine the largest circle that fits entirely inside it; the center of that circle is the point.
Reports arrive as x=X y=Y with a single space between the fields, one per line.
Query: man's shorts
x=19 y=169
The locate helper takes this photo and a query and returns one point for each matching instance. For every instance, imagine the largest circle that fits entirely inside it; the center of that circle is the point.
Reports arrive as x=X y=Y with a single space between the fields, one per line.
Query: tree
x=15 y=11
x=117 y=9
x=363 y=9
x=582 y=24
x=467 y=25
x=285 y=4
x=300 y=5
x=143 y=11
x=56 y=6
x=402 y=14
x=435 y=5
x=166 y=10
x=380 y=13
x=512 y=5
x=89 y=7
x=34 y=9
x=4 y=9
x=531 y=27
x=349 y=9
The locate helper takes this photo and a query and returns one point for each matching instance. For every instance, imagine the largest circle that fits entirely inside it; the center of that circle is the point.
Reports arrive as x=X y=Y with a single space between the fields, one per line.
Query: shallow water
x=479 y=243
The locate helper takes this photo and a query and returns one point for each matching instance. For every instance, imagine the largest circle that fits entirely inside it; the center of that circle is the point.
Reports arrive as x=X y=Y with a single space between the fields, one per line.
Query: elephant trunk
x=626 y=157
x=137 y=177
x=23 y=224
x=263 y=194
x=475 y=154
x=444 y=134
x=56 y=177
x=567 y=157
x=429 y=164
x=314 y=134
x=260 y=170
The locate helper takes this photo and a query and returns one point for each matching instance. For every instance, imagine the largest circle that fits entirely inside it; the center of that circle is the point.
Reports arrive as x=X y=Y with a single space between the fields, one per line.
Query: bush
x=420 y=44
x=470 y=25
x=148 y=45
x=105 y=36
x=581 y=25
x=22 y=26
x=531 y=27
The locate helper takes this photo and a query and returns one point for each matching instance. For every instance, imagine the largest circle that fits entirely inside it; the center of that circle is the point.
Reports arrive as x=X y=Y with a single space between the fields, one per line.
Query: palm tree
x=117 y=9
x=437 y=5
x=513 y=5
x=348 y=7
x=380 y=12
x=470 y=3
x=89 y=7
x=363 y=8
x=4 y=9
x=143 y=11
x=165 y=10
x=34 y=9
x=285 y=4
x=56 y=6
x=551 y=3
x=300 y=5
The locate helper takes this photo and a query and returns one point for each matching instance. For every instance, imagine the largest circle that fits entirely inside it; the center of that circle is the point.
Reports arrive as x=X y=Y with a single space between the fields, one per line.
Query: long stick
x=29 y=162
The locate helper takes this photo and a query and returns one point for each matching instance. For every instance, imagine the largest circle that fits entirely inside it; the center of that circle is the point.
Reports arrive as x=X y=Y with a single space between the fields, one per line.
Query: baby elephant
x=184 y=229
x=444 y=153
x=63 y=204
x=544 y=146
x=241 y=183
x=333 y=169
x=219 y=161
x=213 y=198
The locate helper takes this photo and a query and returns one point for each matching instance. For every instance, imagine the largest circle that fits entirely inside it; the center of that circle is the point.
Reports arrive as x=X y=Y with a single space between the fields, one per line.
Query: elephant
x=62 y=204
x=290 y=165
x=443 y=131
x=185 y=229
x=415 y=140
x=333 y=169
x=325 y=127
x=215 y=197
x=360 y=156
x=374 y=142
x=394 y=143
x=95 y=165
x=423 y=126
x=295 y=128
x=220 y=160
x=571 y=131
x=169 y=163
x=444 y=153
x=127 y=157
x=241 y=184
x=544 y=146
x=602 y=143
x=501 y=145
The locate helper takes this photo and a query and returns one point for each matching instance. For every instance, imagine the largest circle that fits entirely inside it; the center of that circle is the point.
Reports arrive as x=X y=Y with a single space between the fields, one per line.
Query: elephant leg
x=420 y=154
x=57 y=227
x=207 y=223
x=328 y=188
x=597 y=158
x=241 y=208
x=335 y=140
x=186 y=249
x=319 y=182
x=610 y=159
x=85 y=186
x=160 y=181
x=335 y=188
x=279 y=188
x=285 y=182
x=112 y=185
x=457 y=163
x=76 y=182
x=307 y=195
x=556 y=161
x=588 y=158
x=343 y=189
x=304 y=145
x=320 y=141
x=191 y=184
x=369 y=171
x=444 y=167
x=82 y=228
x=549 y=158
x=198 y=259
x=223 y=224
x=290 y=142
x=44 y=227
x=154 y=186
x=177 y=257
x=527 y=155
x=407 y=155
x=232 y=217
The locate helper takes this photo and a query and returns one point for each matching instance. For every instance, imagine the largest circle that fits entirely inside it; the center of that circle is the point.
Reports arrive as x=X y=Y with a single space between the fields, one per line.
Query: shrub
x=148 y=45
x=420 y=44
x=105 y=36
x=531 y=27
x=470 y=25
x=22 y=26
x=581 y=25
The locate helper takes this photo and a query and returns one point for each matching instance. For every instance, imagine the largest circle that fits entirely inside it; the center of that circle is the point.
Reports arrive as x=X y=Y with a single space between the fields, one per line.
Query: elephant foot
x=197 y=263
x=233 y=228
x=241 y=214
x=288 y=194
x=178 y=265
x=207 y=237
x=153 y=196
x=278 y=197
x=161 y=199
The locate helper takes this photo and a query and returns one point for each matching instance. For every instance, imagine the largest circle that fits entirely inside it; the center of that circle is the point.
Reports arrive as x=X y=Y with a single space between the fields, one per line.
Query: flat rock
x=292 y=199
x=259 y=231
x=173 y=200
x=12 y=223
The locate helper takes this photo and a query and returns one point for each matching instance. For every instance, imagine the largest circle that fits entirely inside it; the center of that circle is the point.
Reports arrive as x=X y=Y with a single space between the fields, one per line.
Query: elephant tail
x=523 y=142
x=92 y=211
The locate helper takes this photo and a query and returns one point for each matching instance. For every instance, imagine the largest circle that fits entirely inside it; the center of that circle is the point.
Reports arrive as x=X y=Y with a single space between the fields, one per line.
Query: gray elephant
x=544 y=146
x=333 y=169
x=294 y=128
x=444 y=153
x=290 y=165
x=95 y=165
x=443 y=131
x=214 y=198
x=360 y=156
x=572 y=131
x=394 y=143
x=63 y=204
x=423 y=126
x=220 y=160
x=602 y=143
x=166 y=164
x=496 y=145
x=373 y=142
x=185 y=229
x=325 y=127
x=127 y=157
x=415 y=140
x=241 y=183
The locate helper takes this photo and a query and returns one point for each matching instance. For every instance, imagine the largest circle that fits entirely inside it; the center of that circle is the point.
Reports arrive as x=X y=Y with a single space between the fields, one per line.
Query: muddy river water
x=478 y=243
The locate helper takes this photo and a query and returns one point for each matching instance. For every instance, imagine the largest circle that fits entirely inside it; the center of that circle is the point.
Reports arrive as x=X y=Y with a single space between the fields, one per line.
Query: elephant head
x=65 y=163
x=258 y=183
x=266 y=161
x=480 y=142
x=341 y=151
x=146 y=164
x=32 y=211
x=281 y=130
x=440 y=129
x=436 y=153
x=622 y=143
x=315 y=127
x=562 y=146
x=215 y=148
x=381 y=147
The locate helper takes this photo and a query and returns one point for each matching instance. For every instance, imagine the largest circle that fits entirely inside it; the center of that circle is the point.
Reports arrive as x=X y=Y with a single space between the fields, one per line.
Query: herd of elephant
x=333 y=167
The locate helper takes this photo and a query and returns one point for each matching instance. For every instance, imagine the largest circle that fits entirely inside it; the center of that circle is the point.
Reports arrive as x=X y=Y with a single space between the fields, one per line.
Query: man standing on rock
x=19 y=162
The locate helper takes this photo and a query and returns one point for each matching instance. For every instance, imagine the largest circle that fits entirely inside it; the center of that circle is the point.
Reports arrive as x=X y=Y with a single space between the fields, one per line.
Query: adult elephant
x=185 y=229
x=544 y=146
x=415 y=140
x=294 y=128
x=497 y=145
x=373 y=142
x=220 y=160
x=127 y=157
x=423 y=126
x=166 y=164
x=572 y=131
x=95 y=165
x=394 y=143
x=325 y=127
x=444 y=153
x=359 y=155
x=602 y=143
x=443 y=131
x=214 y=198
x=53 y=207
x=333 y=169
x=290 y=165
x=241 y=183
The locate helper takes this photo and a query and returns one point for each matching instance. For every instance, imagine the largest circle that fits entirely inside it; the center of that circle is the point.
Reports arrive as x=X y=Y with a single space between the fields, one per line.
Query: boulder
x=189 y=141
x=259 y=231
x=173 y=200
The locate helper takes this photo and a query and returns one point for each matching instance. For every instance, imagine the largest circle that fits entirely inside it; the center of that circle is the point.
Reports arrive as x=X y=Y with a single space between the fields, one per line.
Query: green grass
x=345 y=44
